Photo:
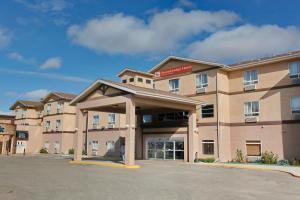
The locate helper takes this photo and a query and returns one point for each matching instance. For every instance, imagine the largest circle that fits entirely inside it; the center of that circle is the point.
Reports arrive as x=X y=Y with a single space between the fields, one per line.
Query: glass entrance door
x=165 y=149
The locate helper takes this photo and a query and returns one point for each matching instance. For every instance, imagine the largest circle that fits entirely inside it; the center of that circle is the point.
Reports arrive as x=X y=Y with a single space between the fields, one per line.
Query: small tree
x=269 y=158
x=71 y=151
x=239 y=156
x=44 y=151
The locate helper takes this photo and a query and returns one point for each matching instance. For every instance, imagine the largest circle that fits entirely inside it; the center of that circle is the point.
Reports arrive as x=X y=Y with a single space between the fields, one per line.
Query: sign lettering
x=176 y=70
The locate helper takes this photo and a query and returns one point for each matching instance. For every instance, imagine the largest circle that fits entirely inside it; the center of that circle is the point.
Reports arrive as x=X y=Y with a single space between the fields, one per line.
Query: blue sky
x=63 y=45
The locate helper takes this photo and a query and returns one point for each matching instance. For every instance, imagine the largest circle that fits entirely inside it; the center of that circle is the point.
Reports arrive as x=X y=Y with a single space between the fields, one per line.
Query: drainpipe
x=86 y=131
x=218 y=121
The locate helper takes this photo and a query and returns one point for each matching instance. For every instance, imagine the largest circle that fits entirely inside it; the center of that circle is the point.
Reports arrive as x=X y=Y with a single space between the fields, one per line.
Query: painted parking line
x=115 y=165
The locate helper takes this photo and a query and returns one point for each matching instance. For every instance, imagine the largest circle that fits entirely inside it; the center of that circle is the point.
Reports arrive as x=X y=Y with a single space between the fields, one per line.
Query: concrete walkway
x=294 y=171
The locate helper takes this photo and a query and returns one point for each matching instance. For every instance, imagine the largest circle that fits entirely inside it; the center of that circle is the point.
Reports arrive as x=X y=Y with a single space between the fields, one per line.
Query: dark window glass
x=140 y=80
x=131 y=79
x=148 y=81
x=207 y=111
x=124 y=81
x=208 y=147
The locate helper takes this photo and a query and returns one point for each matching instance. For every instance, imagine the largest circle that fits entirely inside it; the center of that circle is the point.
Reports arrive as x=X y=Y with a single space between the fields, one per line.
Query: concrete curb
x=254 y=167
x=115 y=165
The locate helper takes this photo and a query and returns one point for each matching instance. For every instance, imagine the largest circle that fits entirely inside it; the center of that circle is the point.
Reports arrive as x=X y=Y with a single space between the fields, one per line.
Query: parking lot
x=53 y=178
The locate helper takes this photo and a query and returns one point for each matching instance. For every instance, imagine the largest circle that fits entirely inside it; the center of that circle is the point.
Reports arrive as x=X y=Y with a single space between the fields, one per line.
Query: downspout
x=217 y=107
x=86 y=132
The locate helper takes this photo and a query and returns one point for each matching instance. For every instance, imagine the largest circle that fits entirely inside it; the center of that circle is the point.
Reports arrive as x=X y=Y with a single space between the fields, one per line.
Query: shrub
x=283 y=162
x=239 y=156
x=205 y=160
x=295 y=162
x=84 y=152
x=44 y=151
x=71 y=151
x=269 y=158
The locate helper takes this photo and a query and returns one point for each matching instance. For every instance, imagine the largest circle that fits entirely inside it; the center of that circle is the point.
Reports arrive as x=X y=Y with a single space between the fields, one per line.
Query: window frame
x=95 y=125
x=213 y=111
x=201 y=85
x=59 y=108
x=108 y=118
x=48 y=125
x=140 y=79
x=148 y=81
x=57 y=127
x=174 y=90
x=297 y=75
x=124 y=81
x=252 y=114
x=253 y=142
x=251 y=81
x=49 y=107
x=110 y=150
x=131 y=80
x=205 y=142
x=151 y=121
x=291 y=102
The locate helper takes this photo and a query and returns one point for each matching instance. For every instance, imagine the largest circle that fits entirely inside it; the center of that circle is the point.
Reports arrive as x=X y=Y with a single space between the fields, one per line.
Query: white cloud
x=5 y=37
x=163 y=31
x=51 y=63
x=20 y=58
x=246 y=42
x=53 y=76
x=6 y=112
x=45 y=5
x=36 y=94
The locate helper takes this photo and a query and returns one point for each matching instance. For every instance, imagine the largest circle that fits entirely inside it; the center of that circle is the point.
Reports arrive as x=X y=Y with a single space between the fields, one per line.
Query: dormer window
x=140 y=80
x=250 y=77
x=124 y=81
x=131 y=80
x=60 y=106
x=148 y=81
x=294 y=69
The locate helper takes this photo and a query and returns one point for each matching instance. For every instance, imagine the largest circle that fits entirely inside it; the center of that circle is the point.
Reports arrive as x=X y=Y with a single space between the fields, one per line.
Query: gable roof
x=26 y=104
x=60 y=95
x=159 y=65
x=135 y=71
x=136 y=90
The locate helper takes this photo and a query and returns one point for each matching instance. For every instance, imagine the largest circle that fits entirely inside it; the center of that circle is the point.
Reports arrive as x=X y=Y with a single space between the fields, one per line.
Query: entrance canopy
x=109 y=96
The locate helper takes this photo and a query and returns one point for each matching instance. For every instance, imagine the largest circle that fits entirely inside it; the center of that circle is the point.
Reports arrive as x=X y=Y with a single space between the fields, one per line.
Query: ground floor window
x=95 y=145
x=46 y=145
x=110 y=146
x=253 y=148
x=208 y=147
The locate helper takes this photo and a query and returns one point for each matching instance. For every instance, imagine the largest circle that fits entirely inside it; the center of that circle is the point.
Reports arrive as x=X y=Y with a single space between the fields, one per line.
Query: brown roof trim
x=135 y=71
x=27 y=104
x=60 y=96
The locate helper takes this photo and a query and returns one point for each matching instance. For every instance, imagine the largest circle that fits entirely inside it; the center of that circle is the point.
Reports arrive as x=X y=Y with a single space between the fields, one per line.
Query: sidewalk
x=294 y=171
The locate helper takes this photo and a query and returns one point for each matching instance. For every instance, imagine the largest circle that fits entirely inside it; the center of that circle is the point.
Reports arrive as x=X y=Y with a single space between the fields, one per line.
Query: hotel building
x=186 y=109
x=7 y=134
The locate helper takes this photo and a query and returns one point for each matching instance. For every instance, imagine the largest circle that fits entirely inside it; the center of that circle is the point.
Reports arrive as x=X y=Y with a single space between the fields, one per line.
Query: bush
x=295 y=162
x=283 y=162
x=84 y=152
x=71 y=151
x=44 y=151
x=269 y=158
x=239 y=156
x=205 y=160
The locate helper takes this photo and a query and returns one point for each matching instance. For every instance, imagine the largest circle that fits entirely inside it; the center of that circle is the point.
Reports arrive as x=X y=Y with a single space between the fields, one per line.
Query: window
x=46 y=145
x=148 y=81
x=295 y=104
x=48 y=124
x=174 y=116
x=251 y=109
x=250 y=77
x=147 y=119
x=124 y=81
x=207 y=111
x=59 y=106
x=140 y=79
x=48 y=108
x=174 y=85
x=208 y=147
x=110 y=146
x=111 y=118
x=201 y=81
x=58 y=124
x=95 y=145
x=96 y=121
x=294 y=69
x=23 y=113
x=253 y=148
x=131 y=79
x=40 y=114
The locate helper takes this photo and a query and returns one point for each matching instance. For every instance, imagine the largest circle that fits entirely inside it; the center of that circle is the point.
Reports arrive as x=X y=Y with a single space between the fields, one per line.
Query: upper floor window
x=124 y=81
x=250 y=77
x=174 y=85
x=294 y=69
x=174 y=116
x=131 y=79
x=295 y=104
x=60 y=106
x=148 y=81
x=23 y=113
x=147 y=119
x=140 y=79
x=96 y=121
x=48 y=108
x=111 y=118
x=201 y=81
x=251 y=108
x=58 y=124
x=39 y=114
x=48 y=124
x=207 y=111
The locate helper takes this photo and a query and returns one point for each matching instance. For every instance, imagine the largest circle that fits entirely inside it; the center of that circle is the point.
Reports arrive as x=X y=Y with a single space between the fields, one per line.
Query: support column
x=130 y=135
x=4 y=148
x=12 y=145
x=193 y=135
x=78 y=142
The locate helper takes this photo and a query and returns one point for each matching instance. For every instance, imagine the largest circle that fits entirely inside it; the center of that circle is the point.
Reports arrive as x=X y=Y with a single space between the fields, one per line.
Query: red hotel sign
x=175 y=70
